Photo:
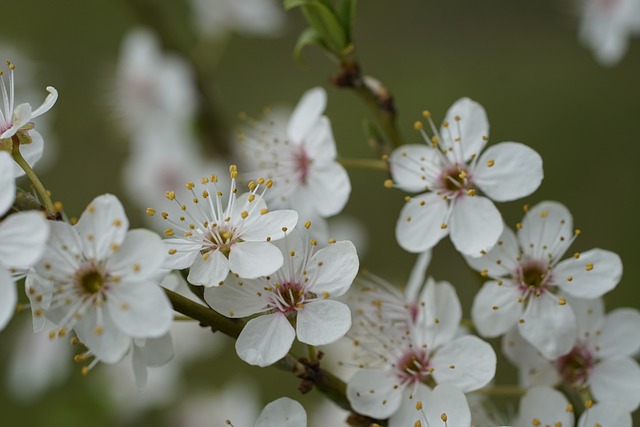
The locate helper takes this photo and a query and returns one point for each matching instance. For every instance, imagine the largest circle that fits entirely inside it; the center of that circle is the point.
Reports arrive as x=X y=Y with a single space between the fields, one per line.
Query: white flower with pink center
x=300 y=158
x=429 y=354
x=526 y=276
x=16 y=123
x=450 y=170
x=22 y=240
x=102 y=281
x=606 y=27
x=544 y=406
x=216 y=240
x=601 y=359
x=295 y=301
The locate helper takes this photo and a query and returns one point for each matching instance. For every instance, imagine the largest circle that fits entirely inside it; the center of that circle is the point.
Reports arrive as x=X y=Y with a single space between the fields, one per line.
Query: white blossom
x=428 y=353
x=103 y=283
x=16 y=122
x=601 y=359
x=449 y=170
x=300 y=158
x=22 y=240
x=216 y=240
x=283 y=412
x=297 y=300
x=528 y=280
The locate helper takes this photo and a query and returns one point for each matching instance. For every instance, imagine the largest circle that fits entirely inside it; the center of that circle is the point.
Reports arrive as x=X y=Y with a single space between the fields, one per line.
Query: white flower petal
x=452 y=363
x=21 y=116
x=606 y=414
x=496 y=309
x=417 y=276
x=265 y=339
x=270 y=226
x=333 y=268
x=139 y=369
x=589 y=316
x=140 y=255
x=49 y=101
x=63 y=255
x=547 y=406
x=323 y=322
x=473 y=125
x=412 y=167
x=254 y=259
x=181 y=253
x=209 y=269
x=620 y=334
x=328 y=187
x=440 y=313
x=22 y=239
x=419 y=226
x=549 y=325
x=8 y=297
x=319 y=144
x=533 y=368
x=283 y=412
x=156 y=351
x=476 y=225
x=502 y=260
x=7 y=182
x=591 y=275
x=445 y=400
x=617 y=379
x=40 y=293
x=102 y=224
x=547 y=228
x=375 y=392
x=307 y=112
x=110 y=345
x=237 y=297
x=515 y=171
x=140 y=309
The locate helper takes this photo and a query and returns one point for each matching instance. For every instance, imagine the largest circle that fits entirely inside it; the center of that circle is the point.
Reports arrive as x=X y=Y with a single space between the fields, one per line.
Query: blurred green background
x=521 y=60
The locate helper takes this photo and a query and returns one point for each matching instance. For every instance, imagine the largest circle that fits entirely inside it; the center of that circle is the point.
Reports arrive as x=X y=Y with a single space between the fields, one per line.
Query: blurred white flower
x=300 y=158
x=103 y=281
x=22 y=240
x=528 y=280
x=216 y=240
x=606 y=27
x=218 y=18
x=151 y=87
x=16 y=122
x=283 y=412
x=450 y=170
x=300 y=293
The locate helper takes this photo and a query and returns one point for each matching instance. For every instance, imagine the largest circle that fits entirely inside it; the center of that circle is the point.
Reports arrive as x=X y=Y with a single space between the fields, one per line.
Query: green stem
x=363 y=163
x=37 y=184
x=313 y=353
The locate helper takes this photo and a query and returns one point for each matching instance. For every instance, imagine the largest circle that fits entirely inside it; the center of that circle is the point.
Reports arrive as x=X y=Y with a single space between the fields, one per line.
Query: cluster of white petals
x=407 y=357
x=450 y=169
x=529 y=284
x=215 y=240
x=601 y=359
x=300 y=158
x=16 y=122
x=297 y=300
x=100 y=280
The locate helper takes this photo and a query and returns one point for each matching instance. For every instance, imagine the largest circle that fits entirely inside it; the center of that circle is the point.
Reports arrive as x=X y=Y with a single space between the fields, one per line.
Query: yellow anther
x=252 y=197
x=471 y=192
x=264 y=211
x=588 y=404
x=418 y=126
x=244 y=214
x=260 y=181
x=251 y=185
x=490 y=163
x=214 y=178
x=190 y=185
x=172 y=251
x=443 y=417
x=577 y=232
x=443 y=226
x=168 y=232
x=388 y=183
x=544 y=214
x=171 y=195
x=85 y=371
x=164 y=215
x=426 y=114
x=445 y=124
x=151 y=211
x=562 y=301
x=268 y=184
x=588 y=267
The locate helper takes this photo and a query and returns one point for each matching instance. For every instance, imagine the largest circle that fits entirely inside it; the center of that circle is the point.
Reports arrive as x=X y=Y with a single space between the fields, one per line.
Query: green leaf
x=307 y=37
x=290 y=4
x=347 y=13
x=327 y=24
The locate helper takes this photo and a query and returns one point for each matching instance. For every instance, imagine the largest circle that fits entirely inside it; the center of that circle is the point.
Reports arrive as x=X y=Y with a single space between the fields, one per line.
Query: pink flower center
x=576 y=366
x=302 y=165
x=288 y=297
x=413 y=366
